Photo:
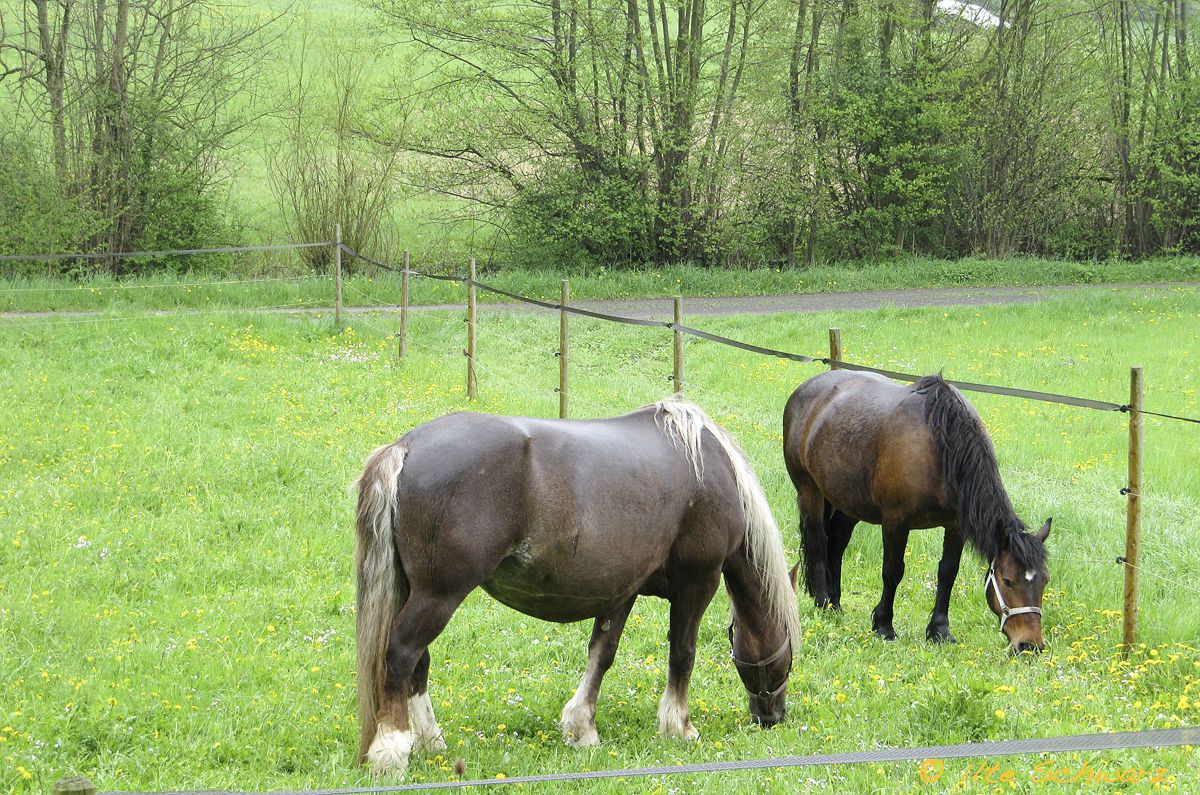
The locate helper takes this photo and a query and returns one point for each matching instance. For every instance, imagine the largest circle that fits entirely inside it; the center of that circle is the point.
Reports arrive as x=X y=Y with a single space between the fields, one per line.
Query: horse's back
x=863 y=441
x=560 y=519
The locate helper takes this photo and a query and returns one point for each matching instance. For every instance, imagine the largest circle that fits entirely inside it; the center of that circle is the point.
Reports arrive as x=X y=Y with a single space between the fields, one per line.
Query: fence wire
x=1027 y=394
x=1148 y=738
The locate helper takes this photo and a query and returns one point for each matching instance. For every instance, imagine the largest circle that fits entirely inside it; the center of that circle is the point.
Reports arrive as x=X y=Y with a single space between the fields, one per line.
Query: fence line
x=1027 y=394
x=171 y=286
x=1146 y=738
x=301 y=306
x=172 y=253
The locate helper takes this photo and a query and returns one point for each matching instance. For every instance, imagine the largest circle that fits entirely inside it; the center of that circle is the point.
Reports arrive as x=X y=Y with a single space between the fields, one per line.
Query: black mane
x=968 y=462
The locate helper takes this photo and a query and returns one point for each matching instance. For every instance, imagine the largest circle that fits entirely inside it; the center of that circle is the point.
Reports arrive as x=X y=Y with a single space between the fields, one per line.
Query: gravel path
x=662 y=308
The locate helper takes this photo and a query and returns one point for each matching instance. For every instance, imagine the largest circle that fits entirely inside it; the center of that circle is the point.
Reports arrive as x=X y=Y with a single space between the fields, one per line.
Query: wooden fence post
x=471 y=383
x=1133 y=516
x=562 y=349
x=404 y=307
x=835 y=347
x=337 y=274
x=75 y=785
x=678 y=345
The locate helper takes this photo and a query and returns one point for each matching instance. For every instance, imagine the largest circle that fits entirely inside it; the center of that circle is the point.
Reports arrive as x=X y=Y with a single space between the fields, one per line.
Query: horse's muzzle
x=1027 y=646
x=767 y=716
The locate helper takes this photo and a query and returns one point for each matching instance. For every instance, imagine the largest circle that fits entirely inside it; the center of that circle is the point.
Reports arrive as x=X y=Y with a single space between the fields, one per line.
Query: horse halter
x=1006 y=612
x=741 y=665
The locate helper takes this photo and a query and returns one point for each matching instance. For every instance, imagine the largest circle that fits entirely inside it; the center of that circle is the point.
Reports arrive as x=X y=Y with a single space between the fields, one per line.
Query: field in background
x=175 y=551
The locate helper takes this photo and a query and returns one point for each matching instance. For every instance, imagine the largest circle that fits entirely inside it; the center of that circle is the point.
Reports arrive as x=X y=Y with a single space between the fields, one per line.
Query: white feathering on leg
x=427 y=734
x=673 y=721
x=390 y=750
x=578 y=724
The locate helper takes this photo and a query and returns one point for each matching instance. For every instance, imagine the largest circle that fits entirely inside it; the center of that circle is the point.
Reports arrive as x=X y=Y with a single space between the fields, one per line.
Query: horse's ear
x=792 y=574
x=1044 y=533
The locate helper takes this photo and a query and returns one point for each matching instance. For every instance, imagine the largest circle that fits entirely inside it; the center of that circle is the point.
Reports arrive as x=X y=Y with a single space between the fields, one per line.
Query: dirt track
x=661 y=308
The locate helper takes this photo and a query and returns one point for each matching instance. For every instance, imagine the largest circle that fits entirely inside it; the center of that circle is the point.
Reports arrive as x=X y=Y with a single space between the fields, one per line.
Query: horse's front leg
x=939 y=622
x=579 y=714
x=895 y=541
x=427 y=735
x=687 y=607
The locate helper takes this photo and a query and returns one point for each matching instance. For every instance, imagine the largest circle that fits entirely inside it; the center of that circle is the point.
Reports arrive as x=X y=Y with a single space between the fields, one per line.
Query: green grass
x=269 y=283
x=176 y=595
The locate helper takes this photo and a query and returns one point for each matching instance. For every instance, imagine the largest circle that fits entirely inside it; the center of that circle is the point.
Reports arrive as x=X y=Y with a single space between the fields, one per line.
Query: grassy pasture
x=176 y=595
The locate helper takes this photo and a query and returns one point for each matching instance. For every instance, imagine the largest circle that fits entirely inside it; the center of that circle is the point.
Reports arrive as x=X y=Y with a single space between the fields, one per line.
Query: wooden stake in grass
x=562 y=349
x=835 y=347
x=404 y=308
x=75 y=785
x=678 y=345
x=337 y=274
x=470 y=352
x=1133 y=515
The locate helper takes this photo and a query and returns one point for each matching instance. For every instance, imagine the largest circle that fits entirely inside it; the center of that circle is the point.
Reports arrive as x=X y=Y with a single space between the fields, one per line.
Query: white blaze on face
x=1029 y=575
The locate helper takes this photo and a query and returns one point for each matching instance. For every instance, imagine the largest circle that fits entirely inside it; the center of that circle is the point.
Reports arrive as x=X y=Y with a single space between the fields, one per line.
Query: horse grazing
x=859 y=447
x=563 y=520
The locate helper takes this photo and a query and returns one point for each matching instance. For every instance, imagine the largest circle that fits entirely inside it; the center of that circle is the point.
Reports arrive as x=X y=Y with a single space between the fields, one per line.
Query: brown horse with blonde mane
x=861 y=448
x=563 y=520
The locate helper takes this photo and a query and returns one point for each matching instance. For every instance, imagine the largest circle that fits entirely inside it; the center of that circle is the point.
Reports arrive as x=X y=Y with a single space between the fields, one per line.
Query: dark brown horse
x=563 y=520
x=861 y=448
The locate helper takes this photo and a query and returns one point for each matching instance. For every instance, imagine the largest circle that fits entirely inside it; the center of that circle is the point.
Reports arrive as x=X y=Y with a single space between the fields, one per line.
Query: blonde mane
x=685 y=423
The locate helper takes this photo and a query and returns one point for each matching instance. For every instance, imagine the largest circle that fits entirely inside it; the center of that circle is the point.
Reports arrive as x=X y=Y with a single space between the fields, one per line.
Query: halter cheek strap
x=1006 y=612
x=740 y=664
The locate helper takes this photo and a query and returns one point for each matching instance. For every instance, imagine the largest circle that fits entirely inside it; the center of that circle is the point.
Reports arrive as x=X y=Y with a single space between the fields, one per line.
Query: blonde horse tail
x=380 y=581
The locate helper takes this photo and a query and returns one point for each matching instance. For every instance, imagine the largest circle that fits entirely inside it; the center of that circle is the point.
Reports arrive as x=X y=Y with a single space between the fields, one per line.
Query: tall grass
x=176 y=597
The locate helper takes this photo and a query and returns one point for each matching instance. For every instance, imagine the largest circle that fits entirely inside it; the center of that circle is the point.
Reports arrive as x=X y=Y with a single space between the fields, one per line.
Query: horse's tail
x=685 y=422
x=381 y=584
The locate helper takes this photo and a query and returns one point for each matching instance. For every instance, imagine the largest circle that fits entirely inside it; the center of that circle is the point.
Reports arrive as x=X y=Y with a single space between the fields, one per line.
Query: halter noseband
x=1006 y=612
x=741 y=664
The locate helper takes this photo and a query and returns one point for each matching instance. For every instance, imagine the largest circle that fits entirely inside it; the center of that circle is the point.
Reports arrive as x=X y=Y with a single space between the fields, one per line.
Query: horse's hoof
x=887 y=633
x=687 y=732
x=581 y=738
x=430 y=744
x=389 y=750
x=940 y=636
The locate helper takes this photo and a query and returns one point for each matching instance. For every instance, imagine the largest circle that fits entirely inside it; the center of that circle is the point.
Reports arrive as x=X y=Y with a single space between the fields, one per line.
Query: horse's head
x=1015 y=582
x=764 y=673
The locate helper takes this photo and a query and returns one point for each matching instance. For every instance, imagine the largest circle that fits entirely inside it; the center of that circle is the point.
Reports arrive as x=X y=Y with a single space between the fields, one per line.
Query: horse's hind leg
x=813 y=538
x=895 y=540
x=839 y=526
x=687 y=607
x=579 y=714
x=939 y=621
x=422 y=619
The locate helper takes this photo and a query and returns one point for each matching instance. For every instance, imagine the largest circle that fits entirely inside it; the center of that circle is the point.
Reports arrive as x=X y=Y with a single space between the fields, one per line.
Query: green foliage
x=37 y=216
x=578 y=220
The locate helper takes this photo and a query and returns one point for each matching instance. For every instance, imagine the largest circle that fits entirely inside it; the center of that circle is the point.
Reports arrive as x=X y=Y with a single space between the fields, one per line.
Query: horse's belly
x=544 y=593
